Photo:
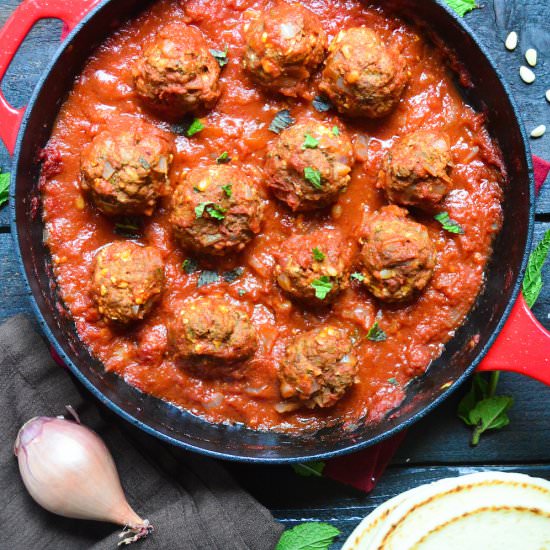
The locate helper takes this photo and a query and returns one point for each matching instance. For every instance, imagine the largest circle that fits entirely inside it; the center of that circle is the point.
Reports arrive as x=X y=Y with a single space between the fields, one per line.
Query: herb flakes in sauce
x=322 y=104
x=207 y=277
x=376 y=334
x=313 y=176
x=283 y=120
x=190 y=265
x=221 y=56
x=448 y=224
x=322 y=286
x=224 y=158
x=310 y=142
x=318 y=255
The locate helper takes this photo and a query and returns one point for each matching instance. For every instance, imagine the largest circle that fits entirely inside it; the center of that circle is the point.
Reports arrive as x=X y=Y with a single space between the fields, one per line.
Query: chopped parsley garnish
x=195 y=127
x=449 y=224
x=223 y=158
x=282 y=120
x=313 y=176
x=376 y=334
x=532 y=284
x=310 y=142
x=393 y=381
x=228 y=190
x=4 y=188
x=189 y=266
x=207 y=277
x=318 y=255
x=335 y=131
x=241 y=292
x=322 y=287
x=357 y=277
x=322 y=104
x=213 y=210
x=233 y=275
x=221 y=56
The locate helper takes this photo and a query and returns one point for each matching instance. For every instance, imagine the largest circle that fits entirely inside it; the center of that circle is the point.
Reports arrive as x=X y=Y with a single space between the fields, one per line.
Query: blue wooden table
x=437 y=446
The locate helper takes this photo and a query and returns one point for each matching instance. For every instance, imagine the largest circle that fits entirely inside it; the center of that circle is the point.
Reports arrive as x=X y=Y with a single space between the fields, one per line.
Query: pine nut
x=531 y=56
x=512 y=41
x=539 y=131
x=527 y=75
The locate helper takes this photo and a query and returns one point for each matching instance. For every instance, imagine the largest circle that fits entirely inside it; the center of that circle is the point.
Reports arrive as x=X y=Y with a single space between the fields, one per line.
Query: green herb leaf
x=283 y=119
x=479 y=390
x=128 y=227
x=228 y=190
x=308 y=536
x=213 y=210
x=190 y=266
x=313 y=176
x=448 y=224
x=376 y=334
x=309 y=469
x=224 y=158
x=393 y=381
x=241 y=292
x=221 y=56
x=233 y=275
x=322 y=287
x=532 y=284
x=4 y=187
x=207 y=277
x=196 y=127
x=322 y=104
x=462 y=7
x=310 y=142
x=335 y=131
x=318 y=255
x=357 y=277
x=199 y=210
x=144 y=163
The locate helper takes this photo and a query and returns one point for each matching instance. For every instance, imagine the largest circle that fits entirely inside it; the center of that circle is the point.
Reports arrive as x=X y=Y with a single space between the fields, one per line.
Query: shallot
x=69 y=471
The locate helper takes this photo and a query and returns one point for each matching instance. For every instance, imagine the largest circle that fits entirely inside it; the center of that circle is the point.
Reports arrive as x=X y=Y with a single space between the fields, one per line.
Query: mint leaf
x=393 y=381
x=308 y=536
x=313 y=176
x=532 y=284
x=376 y=334
x=283 y=119
x=322 y=287
x=221 y=56
x=228 y=190
x=199 y=210
x=479 y=390
x=223 y=158
x=4 y=187
x=335 y=131
x=317 y=255
x=322 y=104
x=213 y=210
x=490 y=414
x=357 y=277
x=449 y=224
x=462 y=7
x=196 y=127
x=309 y=469
x=233 y=275
x=310 y=142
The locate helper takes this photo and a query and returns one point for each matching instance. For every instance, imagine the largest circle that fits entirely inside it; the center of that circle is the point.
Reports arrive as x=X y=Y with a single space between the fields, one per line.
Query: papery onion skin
x=69 y=471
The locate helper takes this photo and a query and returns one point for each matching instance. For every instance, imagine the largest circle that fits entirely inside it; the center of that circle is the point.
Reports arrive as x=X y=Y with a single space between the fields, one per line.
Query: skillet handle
x=523 y=346
x=12 y=35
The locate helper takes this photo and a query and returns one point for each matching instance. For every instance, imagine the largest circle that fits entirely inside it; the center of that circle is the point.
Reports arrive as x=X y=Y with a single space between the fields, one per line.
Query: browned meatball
x=216 y=210
x=128 y=281
x=177 y=74
x=310 y=165
x=318 y=368
x=398 y=255
x=314 y=268
x=126 y=171
x=284 y=46
x=417 y=169
x=362 y=76
x=210 y=329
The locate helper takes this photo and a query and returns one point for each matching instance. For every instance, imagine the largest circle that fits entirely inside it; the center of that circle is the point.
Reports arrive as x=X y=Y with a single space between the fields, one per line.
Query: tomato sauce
x=103 y=95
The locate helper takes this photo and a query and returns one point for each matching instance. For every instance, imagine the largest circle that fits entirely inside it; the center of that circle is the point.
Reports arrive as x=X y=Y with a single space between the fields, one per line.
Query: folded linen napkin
x=191 y=501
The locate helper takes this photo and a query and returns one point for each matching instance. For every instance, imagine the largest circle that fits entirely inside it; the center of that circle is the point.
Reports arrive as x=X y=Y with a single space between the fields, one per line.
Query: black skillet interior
x=163 y=420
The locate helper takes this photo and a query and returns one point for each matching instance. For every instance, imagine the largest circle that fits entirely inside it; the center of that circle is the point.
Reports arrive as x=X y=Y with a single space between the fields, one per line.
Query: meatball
x=362 y=76
x=126 y=171
x=127 y=282
x=310 y=165
x=216 y=210
x=314 y=268
x=210 y=329
x=318 y=368
x=177 y=74
x=284 y=46
x=416 y=170
x=398 y=256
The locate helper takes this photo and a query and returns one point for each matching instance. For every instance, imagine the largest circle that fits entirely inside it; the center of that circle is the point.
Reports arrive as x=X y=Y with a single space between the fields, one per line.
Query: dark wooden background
x=437 y=446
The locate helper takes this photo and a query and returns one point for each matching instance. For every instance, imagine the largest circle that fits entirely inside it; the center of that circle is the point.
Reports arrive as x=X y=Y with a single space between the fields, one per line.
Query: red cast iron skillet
x=522 y=345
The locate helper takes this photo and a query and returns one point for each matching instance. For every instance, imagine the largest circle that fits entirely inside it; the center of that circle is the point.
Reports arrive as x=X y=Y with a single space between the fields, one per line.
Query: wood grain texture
x=437 y=446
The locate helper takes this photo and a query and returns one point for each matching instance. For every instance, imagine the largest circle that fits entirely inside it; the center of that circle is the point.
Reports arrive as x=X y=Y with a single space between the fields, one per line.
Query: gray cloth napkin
x=191 y=501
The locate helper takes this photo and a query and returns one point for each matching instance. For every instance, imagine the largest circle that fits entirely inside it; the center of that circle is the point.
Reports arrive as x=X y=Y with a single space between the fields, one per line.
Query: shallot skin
x=69 y=471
